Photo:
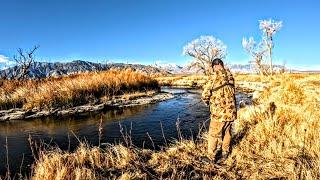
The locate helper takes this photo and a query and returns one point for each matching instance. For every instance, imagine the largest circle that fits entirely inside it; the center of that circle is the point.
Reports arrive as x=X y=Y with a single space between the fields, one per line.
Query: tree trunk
x=271 y=66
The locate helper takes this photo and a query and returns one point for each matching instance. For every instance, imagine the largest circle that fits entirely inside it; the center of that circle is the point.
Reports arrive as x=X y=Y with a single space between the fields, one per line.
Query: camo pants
x=219 y=132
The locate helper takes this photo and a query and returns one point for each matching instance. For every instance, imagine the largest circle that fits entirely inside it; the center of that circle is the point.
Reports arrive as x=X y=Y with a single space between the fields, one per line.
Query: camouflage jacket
x=220 y=93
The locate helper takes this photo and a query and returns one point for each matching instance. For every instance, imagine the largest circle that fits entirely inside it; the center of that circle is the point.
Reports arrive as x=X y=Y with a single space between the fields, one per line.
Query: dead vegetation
x=72 y=90
x=183 y=80
x=280 y=141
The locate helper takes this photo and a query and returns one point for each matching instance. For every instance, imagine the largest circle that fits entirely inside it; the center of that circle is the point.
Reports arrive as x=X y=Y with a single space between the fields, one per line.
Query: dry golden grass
x=72 y=90
x=243 y=81
x=285 y=145
x=85 y=162
x=190 y=80
x=135 y=95
x=168 y=80
x=268 y=144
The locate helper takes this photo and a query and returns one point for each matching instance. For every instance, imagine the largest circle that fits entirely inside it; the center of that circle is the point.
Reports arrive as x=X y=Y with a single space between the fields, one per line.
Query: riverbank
x=279 y=138
x=76 y=94
x=128 y=100
x=73 y=90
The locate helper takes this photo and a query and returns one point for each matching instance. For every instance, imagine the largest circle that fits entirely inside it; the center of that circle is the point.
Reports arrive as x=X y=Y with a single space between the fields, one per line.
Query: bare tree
x=24 y=60
x=263 y=49
x=283 y=68
x=204 y=50
x=269 y=28
x=257 y=51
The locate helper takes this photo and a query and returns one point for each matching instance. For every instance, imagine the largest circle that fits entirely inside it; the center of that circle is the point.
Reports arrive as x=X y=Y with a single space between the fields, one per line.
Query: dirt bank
x=116 y=102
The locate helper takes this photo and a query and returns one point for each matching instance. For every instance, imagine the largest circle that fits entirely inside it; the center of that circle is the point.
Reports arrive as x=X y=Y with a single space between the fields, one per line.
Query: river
x=142 y=123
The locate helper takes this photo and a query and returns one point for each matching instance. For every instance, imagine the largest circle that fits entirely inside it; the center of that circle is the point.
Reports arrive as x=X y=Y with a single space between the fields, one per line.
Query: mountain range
x=45 y=69
x=58 y=69
x=239 y=68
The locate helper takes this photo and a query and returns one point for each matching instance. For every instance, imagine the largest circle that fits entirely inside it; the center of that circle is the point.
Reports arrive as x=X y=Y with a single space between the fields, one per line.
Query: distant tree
x=24 y=60
x=270 y=28
x=257 y=51
x=283 y=68
x=204 y=50
x=264 y=48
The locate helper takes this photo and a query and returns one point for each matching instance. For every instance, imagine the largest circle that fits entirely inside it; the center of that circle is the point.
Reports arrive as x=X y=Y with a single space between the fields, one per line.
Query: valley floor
x=268 y=144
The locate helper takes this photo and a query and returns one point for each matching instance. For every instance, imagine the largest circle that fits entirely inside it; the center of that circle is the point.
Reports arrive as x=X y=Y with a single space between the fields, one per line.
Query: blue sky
x=146 y=31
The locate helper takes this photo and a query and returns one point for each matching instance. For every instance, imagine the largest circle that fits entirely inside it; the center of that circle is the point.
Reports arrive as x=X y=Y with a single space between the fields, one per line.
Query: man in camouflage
x=219 y=94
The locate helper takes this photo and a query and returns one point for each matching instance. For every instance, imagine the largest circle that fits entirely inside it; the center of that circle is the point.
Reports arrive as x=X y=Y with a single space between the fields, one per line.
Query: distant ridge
x=236 y=68
x=250 y=68
x=44 y=69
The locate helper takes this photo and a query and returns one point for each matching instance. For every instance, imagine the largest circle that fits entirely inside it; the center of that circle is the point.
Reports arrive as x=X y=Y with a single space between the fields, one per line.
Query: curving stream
x=141 y=122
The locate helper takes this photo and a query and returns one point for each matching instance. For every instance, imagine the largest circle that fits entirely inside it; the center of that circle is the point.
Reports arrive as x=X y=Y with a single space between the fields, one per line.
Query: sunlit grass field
x=72 y=90
x=280 y=143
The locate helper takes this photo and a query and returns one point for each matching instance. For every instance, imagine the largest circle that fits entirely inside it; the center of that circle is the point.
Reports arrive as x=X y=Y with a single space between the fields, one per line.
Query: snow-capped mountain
x=243 y=68
x=236 y=68
x=171 y=68
x=44 y=69
x=250 y=68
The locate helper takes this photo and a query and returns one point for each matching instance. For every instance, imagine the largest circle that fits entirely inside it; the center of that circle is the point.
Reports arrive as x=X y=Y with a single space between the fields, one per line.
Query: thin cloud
x=5 y=61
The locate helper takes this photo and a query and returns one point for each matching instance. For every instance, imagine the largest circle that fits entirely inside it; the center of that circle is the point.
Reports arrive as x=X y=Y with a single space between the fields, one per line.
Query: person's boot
x=210 y=158
x=224 y=157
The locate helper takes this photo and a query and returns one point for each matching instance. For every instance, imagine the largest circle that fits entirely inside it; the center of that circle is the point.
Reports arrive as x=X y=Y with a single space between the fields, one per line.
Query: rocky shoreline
x=21 y=114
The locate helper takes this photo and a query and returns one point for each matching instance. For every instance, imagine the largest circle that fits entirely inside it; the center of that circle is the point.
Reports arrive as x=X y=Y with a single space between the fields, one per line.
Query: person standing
x=219 y=94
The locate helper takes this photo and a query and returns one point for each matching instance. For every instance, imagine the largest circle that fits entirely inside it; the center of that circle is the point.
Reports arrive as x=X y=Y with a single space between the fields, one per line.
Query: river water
x=142 y=123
